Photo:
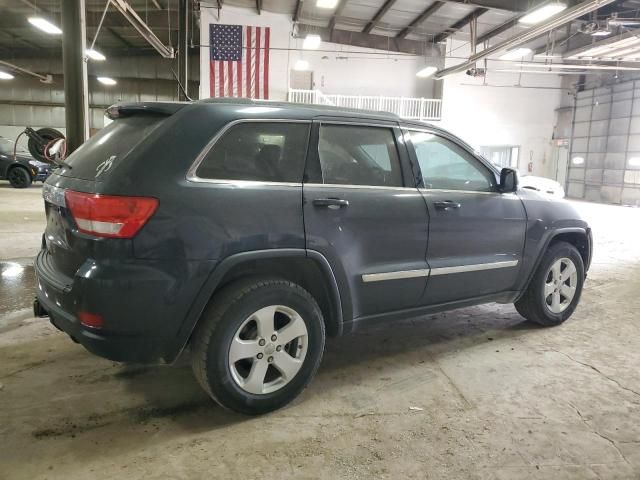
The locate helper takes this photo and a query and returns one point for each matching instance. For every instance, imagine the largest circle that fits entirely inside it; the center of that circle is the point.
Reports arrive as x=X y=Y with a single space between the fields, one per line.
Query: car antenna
x=184 y=92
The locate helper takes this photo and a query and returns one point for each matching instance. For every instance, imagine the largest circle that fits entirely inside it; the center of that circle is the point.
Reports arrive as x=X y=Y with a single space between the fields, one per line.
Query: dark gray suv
x=247 y=231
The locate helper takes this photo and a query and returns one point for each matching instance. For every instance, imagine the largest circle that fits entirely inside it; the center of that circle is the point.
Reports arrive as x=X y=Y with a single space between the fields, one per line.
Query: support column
x=183 y=47
x=76 y=91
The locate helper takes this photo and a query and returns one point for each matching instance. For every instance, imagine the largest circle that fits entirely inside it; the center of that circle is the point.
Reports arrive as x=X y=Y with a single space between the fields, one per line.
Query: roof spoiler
x=120 y=110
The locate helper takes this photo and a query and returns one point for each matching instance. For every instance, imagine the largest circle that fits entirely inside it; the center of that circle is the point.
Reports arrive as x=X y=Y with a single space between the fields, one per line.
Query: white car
x=543 y=185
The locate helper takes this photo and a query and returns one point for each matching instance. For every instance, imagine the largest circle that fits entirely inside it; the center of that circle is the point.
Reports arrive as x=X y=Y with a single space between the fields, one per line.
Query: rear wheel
x=19 y=177
x=259 y=345
x=554 y=291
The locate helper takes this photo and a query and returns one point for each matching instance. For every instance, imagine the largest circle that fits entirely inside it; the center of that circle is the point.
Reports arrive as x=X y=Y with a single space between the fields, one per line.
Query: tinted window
x=445 y=165
x=100 y=155
x=269 y=152
x=354 y=155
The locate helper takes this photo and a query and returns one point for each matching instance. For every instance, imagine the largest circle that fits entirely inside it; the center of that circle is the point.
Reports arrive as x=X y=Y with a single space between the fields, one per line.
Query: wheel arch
x=577 y=236
x=15 y=165
x=308 y=268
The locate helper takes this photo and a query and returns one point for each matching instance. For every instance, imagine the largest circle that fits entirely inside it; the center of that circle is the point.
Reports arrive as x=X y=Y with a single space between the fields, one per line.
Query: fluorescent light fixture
x=311 y=42
x=106 y=80
x=326 y=3
x=93 y=54
x=5 y=76
x=577 y=160
x=426 y=72
x=301 y=65
x=634 y=162
x=516 y=53
x=601 y=33
x=44 y=25
x=542 y=13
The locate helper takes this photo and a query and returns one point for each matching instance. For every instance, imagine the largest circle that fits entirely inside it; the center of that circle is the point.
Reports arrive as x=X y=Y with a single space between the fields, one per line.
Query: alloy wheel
x=560 y=285
x=268 y=349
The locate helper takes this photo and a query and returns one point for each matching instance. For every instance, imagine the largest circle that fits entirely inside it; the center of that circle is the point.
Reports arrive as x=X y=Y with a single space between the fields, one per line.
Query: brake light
x=109 y=215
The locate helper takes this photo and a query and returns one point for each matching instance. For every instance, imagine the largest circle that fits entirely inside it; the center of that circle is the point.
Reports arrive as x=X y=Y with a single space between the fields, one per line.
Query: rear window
x=260 y=151
x=99 y=155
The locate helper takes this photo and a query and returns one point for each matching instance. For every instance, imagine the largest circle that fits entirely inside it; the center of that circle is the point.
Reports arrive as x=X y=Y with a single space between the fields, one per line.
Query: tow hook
x=38 y=309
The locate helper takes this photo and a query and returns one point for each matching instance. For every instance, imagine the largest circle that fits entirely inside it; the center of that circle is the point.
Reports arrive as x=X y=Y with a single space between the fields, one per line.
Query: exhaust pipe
x=38 y=309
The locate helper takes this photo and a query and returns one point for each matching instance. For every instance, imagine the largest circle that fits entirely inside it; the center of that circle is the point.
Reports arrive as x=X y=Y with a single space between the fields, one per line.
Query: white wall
x=505 y=115
x=360 y=73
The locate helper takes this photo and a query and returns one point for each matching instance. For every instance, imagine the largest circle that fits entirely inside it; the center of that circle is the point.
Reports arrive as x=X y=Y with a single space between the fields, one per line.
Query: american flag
x=239 y=61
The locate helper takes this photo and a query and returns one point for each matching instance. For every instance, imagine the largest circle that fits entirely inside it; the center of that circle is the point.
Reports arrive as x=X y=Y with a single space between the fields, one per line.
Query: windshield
x=7 y=146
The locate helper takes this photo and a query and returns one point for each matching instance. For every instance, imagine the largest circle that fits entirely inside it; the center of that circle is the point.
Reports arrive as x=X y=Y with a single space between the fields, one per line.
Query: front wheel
x=258 y=345
x=555 y=289
x=19 y=177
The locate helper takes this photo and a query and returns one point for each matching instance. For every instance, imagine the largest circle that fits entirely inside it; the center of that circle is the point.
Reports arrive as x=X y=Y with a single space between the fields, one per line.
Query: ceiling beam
x=336 y=14
x=506 y=5
x=378 y=16
x=259 y=6
x=463 y=22
x=156 y=4
x=119 y=37
x=298 y=10
x=368 y=40
x=426 y=13
x=499 y=29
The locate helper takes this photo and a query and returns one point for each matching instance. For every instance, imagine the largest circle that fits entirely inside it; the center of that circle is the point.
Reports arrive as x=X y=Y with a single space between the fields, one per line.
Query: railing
x=405 y=107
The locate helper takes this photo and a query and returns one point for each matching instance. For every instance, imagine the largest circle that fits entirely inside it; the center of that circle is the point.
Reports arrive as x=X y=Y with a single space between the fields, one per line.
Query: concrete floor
x=473 y=393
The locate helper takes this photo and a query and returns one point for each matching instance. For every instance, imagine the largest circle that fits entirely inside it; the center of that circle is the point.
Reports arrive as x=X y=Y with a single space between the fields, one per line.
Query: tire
x=537 y=303
x=19 y=177
x=231 y=319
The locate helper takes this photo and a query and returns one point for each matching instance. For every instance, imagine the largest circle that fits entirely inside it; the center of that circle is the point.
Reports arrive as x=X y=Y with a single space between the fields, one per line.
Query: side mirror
x=508 y=180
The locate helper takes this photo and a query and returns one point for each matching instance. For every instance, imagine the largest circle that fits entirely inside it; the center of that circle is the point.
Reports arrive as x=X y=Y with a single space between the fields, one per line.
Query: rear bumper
x=143 y=306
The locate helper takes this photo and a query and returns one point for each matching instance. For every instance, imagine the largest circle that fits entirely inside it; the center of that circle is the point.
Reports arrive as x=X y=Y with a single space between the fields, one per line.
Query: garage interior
x=549 y=88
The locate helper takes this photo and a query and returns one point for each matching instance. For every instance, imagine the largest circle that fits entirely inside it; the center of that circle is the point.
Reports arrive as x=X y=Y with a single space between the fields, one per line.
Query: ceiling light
x=634 y=162
x=5 y=76
x=44 y=25
x=326 y=3
x=95 y=55
x=301 y=65
x=311 y=42
x=540 y=14
x=106 y=80
x=426 y=72
x=577 y=160
x=576 y=66
x=600 y=33
x=516 y=53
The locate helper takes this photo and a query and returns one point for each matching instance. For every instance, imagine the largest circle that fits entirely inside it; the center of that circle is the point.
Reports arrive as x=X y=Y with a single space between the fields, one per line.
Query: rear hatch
x=83 y=221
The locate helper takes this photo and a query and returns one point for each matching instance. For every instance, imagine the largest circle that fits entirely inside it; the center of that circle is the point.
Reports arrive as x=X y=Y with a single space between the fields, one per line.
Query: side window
x=445 y=165
x=355 y=155
x=270 y=152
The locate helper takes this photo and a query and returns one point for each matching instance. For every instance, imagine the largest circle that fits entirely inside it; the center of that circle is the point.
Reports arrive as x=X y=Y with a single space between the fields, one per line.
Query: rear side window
x=100 y=155
x=356 y=155
x=268 y=152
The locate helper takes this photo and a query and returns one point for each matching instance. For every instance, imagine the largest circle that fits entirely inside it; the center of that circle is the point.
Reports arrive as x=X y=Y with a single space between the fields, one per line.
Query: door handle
x=446 y=205
x=333 y=203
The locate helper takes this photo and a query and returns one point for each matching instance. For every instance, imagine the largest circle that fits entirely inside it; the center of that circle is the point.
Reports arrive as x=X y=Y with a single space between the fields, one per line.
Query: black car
x=259 y=228
x=22 y=170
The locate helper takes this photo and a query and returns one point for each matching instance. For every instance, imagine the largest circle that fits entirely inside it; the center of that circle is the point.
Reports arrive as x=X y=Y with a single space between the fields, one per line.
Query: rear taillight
x=109 y=215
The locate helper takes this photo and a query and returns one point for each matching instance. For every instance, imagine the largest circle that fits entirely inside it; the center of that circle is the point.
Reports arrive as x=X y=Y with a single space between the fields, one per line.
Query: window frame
x=315 y=176
x=406 y=130
x=191 y=175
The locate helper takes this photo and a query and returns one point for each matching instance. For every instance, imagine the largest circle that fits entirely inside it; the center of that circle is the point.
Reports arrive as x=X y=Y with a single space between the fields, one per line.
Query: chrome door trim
x=348 y=185
x=377 y=277
x=426 y=272
x=473 y=267
x=191 y=173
